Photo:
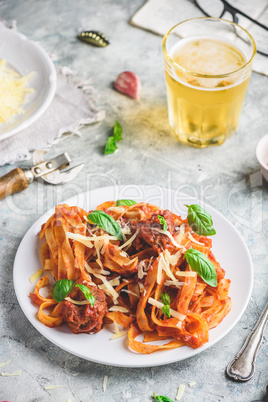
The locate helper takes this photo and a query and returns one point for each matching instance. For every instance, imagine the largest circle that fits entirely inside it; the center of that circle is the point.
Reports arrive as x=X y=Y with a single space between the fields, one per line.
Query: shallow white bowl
x=26 y=56
x=262 y=155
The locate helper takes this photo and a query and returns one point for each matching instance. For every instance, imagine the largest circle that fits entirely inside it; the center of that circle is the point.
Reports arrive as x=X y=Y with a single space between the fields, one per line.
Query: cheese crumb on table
x=5 y=363
x=105 y=381
x=11 y=374
x=49 y=387
x=180 y=392
x=192 y=383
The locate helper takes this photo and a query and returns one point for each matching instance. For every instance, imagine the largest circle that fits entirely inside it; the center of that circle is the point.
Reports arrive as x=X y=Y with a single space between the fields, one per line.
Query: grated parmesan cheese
x=13 y=90
x=5 y=363
x=108 y=286
x=112 y=282
x=179 y=237
x=123 y=254
x=78 y=302
x=141 y=285
x=172 y=258
x=180 y=392
x=174 y=283
x=105 y=381
x=141 y=272
x=49 y=387
x=4 y=374
x=173 y=313
x=130 y=292
x=167 y=268
x=87 y=240
x=192 y=383
x=119 y=335
x=119 y=308
x=194 y=240
x=105 y=243
x=36 y=275
x=126 y=230
x=101 y=271
x=116 y=329
x=98 y=246
x=129 y=241
x=169 y=235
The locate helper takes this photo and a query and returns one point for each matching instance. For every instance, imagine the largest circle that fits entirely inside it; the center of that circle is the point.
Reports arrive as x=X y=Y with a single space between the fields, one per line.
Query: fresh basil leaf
x=200 y=220
x=163 y=222
x=161 y=398
x=111 y=146
x=61 y=289
x=88 y=295
x=106 y=222
x=165 y=298
x=117 y=131
x=202 y=265
x=166 y=310
x=128 y=203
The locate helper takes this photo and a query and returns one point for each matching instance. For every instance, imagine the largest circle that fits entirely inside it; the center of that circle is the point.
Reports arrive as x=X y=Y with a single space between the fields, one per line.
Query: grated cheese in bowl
x=13 y=91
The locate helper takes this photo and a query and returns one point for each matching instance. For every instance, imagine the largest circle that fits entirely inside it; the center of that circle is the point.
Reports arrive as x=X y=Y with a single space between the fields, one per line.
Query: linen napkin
x=71 y=108
x=159 y=16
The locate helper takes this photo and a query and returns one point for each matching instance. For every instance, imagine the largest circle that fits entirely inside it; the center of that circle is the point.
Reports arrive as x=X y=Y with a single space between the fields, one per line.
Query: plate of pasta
x=133 y=276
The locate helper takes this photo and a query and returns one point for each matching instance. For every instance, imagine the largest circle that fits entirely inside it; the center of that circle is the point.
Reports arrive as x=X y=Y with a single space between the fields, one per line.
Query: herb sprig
x=161 y=398
x=202 y=265
x=200 y=220
x=64 y=286
x=128 y=203
x=166 y=301
x=163 y=222
x=61 y=289
x=88 y=295
x=106 y=222
x=111 y=146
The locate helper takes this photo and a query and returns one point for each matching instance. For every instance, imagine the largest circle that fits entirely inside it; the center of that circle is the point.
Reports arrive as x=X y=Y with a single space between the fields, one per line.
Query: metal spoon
x=242 y=367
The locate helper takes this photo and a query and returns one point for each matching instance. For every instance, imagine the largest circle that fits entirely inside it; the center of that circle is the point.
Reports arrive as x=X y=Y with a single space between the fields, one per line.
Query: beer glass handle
x=242 y=367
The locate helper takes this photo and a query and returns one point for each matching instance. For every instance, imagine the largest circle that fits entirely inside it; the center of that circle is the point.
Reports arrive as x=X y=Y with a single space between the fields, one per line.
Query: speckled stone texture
x=227 y=177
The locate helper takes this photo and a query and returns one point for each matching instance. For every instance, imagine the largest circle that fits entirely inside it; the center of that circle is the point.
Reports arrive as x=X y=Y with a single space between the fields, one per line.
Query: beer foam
x=207 y=56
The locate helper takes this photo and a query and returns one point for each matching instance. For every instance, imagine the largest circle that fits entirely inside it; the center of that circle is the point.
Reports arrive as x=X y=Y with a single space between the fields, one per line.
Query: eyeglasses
x=217 y=9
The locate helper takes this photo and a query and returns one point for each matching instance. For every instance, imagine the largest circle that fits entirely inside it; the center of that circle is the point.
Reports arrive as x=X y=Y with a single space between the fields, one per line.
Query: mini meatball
x=148 y=235
x=84 y=318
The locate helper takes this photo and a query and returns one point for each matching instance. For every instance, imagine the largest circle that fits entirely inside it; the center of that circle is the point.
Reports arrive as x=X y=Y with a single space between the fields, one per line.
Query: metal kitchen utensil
x=242 y=367
x=18 y=179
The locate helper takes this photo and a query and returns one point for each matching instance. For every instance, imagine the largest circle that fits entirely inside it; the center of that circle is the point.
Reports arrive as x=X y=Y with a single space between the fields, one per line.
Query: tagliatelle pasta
x=143 y=282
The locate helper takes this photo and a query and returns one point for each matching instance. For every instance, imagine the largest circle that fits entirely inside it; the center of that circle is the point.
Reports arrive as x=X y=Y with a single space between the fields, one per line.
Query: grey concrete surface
x=227 y=177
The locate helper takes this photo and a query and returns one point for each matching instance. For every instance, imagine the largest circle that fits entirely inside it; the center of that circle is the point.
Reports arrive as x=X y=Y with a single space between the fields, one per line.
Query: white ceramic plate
x=26 y=56
x=228 y=247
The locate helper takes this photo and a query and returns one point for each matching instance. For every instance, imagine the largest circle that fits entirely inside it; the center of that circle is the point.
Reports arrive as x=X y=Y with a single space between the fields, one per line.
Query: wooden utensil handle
x=13 y=182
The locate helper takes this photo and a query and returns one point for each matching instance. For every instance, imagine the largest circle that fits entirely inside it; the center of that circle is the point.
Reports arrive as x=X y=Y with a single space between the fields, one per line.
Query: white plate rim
x=51 y=89
x=161 y=358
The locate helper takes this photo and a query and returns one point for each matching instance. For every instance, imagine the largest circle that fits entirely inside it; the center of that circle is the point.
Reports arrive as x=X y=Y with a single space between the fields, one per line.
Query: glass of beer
x=208 y=62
